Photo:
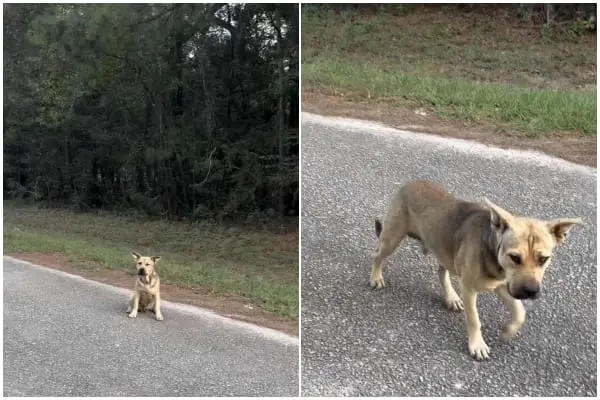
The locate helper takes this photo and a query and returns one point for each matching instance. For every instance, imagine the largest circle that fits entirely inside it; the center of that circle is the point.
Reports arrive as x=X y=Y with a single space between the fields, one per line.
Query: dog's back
x=422 y=204
x=426 y=212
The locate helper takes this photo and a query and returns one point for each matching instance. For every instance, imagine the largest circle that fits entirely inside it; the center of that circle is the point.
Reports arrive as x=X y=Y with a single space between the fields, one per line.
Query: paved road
x=67 y=336
x=401 y=340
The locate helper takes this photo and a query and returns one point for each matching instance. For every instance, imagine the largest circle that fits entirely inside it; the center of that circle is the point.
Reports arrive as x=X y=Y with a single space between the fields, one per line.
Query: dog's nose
x=530 y=290
x=142 y=272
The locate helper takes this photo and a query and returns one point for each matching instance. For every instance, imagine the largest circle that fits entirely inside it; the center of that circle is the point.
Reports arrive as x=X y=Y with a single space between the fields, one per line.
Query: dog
x=146 y=292
x=486 y=247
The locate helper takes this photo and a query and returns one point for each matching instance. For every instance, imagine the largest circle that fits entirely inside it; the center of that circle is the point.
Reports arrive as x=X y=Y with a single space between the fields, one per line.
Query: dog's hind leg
x=452 y=299
x=390 y=235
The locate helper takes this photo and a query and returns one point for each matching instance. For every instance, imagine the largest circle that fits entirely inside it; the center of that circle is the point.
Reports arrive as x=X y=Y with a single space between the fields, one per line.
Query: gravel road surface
x=68 y=336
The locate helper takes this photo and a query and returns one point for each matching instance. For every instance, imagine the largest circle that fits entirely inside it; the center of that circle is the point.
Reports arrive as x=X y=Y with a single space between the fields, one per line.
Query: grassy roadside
x=462 y=66
x=256 y=265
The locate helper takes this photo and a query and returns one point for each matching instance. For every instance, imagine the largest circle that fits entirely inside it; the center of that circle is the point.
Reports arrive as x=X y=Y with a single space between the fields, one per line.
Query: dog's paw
x=159 y=317
x=454 y=303
x=133 y=314
x=508 y=332
x=377 y=283
x=479 y=350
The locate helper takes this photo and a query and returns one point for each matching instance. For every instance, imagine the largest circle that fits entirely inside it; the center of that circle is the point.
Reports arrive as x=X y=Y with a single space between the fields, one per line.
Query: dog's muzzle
x=143 y=274
x=527 y=291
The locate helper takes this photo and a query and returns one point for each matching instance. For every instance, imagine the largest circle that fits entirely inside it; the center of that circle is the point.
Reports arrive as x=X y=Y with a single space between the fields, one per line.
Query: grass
x=532 y=111
x=258 y=265
x=467 y=67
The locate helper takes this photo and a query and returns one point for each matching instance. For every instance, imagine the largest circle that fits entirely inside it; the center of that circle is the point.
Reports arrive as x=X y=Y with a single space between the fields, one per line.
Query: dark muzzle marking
x=529 y=291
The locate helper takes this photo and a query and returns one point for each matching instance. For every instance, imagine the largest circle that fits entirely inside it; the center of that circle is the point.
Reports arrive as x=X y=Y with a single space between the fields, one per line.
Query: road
x=401 y=340
x=67 y=336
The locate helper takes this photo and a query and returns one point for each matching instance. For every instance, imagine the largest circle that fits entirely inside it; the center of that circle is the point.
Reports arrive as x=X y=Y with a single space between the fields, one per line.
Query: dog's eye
x=140 y=263
x=543 y=260
x=147 y=264
x=515 y=258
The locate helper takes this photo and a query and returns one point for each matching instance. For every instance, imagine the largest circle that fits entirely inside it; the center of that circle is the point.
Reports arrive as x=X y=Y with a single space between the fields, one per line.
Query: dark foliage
x=180 y=110
x=576 y=16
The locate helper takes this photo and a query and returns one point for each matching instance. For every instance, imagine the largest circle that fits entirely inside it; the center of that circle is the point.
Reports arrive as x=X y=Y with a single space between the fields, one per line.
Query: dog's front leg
x=477 y=346
x=517 y=313
x=157 y=313
x=134 y=303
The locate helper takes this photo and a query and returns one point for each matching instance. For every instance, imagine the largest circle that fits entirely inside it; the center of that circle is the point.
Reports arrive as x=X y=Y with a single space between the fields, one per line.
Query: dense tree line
x=581 y=17
x=181 y=110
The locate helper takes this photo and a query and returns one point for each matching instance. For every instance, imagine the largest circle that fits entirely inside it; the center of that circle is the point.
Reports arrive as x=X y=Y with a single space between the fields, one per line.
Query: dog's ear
x=135 y=255
x=155 y=258
x=561 y=226
x=500 y=218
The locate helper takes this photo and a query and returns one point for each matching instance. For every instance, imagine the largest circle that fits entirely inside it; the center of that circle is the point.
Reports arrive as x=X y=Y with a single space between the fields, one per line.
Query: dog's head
x=145 y=267
x=524 y=248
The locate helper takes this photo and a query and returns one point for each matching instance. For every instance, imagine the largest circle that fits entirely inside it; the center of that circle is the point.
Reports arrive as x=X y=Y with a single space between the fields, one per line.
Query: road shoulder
x=568 y=146
x=225 y=306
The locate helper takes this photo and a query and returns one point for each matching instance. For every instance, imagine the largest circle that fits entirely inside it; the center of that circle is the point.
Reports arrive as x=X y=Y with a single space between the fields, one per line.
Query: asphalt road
x=401 y=340
x=67 y=336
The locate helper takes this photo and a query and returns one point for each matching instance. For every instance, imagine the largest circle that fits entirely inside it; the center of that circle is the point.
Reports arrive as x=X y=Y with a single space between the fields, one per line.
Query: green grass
x=258 y=265
x=487 y=71
x=531 y=111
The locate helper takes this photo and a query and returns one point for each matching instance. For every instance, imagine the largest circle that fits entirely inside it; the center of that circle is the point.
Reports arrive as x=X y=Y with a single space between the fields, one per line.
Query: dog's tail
x=378 y=227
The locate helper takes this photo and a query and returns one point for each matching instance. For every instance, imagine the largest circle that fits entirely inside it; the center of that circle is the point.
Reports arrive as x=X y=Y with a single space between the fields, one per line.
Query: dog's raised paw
x=508 y=332
x=479 y=350
x=378 y=283
x=454 y=304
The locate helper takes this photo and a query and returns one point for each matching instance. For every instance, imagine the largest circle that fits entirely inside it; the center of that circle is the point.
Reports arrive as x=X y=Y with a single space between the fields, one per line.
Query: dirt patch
x=228 y=306
x=566 y=145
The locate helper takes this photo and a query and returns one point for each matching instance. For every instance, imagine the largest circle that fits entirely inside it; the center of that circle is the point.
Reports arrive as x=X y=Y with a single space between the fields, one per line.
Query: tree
x=182 y=110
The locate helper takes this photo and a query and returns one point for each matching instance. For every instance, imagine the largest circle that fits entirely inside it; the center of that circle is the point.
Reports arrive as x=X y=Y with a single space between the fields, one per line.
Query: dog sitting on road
x=487 y=247
x=146 y=293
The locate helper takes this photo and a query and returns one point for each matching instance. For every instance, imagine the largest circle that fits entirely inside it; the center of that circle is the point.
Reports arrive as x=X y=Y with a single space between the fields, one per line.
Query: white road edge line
x=462 y=145
x=267 y=333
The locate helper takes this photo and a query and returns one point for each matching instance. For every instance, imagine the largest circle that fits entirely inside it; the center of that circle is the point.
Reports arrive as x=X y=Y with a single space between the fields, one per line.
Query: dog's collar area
x=497 y=258
x=490 y=255
x=498 y=250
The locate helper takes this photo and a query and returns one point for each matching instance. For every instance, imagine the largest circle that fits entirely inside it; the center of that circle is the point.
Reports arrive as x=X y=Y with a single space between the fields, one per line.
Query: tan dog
x=488 y=248
x=146 y=293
